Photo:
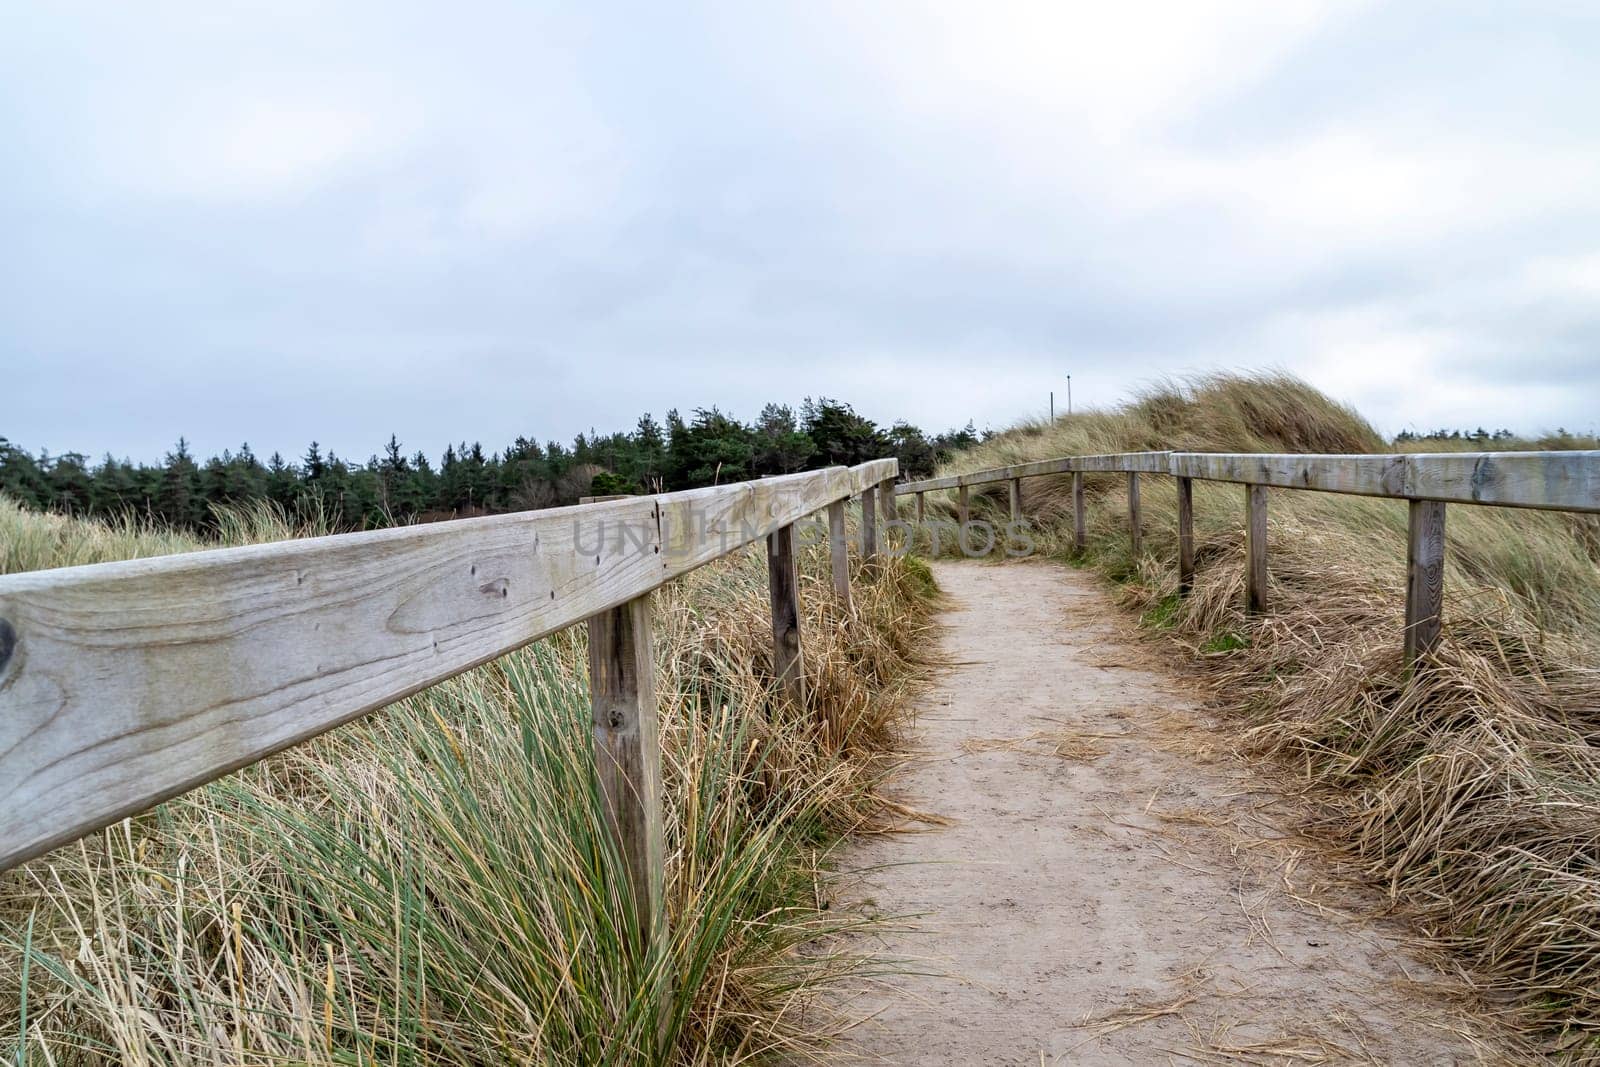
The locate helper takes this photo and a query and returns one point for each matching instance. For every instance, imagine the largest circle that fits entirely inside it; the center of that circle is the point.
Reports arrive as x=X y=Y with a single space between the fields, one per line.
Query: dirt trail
x=1113 y=888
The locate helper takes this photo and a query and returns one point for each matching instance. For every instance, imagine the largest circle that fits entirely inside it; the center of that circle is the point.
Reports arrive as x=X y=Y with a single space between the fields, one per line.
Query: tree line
x=710 y=448
x=1559 y=440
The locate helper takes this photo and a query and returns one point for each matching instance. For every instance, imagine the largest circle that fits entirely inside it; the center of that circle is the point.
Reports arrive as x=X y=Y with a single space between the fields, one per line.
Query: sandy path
x=1093 y=884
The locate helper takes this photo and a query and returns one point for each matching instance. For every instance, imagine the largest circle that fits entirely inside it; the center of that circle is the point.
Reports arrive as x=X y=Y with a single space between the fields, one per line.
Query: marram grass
x=431 y=884
x=1471 y=795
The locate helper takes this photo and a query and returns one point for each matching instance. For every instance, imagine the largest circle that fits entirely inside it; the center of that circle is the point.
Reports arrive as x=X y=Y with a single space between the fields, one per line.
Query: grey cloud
x=557 y=221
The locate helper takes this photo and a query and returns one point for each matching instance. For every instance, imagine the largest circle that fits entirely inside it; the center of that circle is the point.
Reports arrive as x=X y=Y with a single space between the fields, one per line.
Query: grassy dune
x=431 y=885
x=1472 y=797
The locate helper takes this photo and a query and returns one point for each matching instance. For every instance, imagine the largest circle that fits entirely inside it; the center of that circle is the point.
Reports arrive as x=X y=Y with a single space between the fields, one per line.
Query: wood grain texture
x=922 y=508
x=1138 y=462
x=1016 y=499
x=928 y=485
x=132 y=682
x=783 y=585
x=1135 y=519
x=869 y=524
x=1365 y=475
x=872 y=472
x=1560 y=481
x=962 y=509
x=839 y=554
x=1185 y=534
x=1424 y=579
x=1143 y=462
x=627 y=754
x=1255 y=540
x=1080 y=525
x=1565 y=481
x=899 y=536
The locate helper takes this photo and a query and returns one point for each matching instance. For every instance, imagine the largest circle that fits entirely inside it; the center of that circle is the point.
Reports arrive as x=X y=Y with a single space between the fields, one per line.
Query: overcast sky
x=282 y=221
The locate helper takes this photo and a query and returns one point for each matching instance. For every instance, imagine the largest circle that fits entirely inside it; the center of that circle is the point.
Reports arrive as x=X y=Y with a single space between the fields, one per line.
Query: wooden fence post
x=922 y=506
x=888 y=511
x=627 y=754
x=1080 y=533
x=1016 y=499
x=961 y=505
x=1135 y=523
x=1255 y=542
x=1424 y=579
x=783 y=583
x=869 y=525
x=840 y=554
x=1185 y=534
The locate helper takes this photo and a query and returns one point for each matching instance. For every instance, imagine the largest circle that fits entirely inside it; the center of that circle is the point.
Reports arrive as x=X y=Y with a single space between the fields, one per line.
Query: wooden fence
x=1552 y=481
x=123 y=684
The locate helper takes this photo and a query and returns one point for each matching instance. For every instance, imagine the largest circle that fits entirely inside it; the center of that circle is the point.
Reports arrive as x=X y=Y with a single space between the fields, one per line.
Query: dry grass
x=1471 y=794
x=1064 y=742
x=433 y=883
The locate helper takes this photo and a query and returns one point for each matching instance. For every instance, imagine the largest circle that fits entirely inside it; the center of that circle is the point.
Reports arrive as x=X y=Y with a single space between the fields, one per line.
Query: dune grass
x=1470 y=795
x=432 y=884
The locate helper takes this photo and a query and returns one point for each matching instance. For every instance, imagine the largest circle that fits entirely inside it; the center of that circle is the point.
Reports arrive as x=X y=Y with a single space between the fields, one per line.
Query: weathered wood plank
x=627 y=754
x=1035 y=469
x=1368 y=475
x=131 y=682
x=1135 y=520
x=928 y=485
x=872 y=472
x=888 y=512
x=1137 y=462
x=1185 y=535
x=1016 y=499
x=922 y=508
x=869 y=525
x=839 y=554
x=1142 y=462
x=1080 y=526
x=1566 y=481
x=783 y=583
x=1255 y=541
x=1424 y=579
x=1561 y=481
x=961 y=505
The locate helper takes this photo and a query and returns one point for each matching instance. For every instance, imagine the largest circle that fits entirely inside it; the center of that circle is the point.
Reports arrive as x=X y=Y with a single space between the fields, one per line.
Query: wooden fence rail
x=123 y=684
x=1552 y=481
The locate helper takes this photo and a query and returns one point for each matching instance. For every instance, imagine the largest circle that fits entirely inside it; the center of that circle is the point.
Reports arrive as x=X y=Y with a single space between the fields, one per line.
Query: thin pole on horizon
x=1069 y=394
x=1052 y=405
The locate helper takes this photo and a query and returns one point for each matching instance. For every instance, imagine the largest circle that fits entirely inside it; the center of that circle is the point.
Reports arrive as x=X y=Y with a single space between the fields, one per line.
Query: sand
x=1116 y=886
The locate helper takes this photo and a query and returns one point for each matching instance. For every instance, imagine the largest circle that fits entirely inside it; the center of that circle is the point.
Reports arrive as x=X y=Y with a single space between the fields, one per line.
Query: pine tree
x=780 y=446
x=179 y=502
x=313 y=466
